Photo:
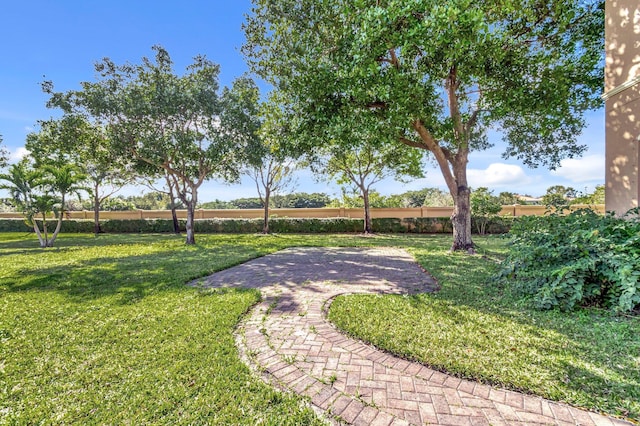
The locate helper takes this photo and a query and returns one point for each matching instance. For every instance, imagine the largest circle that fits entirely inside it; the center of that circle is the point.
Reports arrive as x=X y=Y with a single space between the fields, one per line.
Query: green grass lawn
x=103 y=330
x=476 y=329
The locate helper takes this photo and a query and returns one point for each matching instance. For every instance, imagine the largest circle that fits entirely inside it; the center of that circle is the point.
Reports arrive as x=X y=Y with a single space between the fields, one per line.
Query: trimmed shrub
x=228 y=226
x=128 y=226
x=496 y=224
x=14 y=225
x=316 y=225
x=429 y=225
x=282 y=225
x=389 y=226
x=77 y=226
x=581 y=259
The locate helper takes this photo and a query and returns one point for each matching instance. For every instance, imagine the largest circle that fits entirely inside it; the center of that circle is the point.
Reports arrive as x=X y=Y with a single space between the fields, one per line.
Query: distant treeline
x=428 y=197
x=297 y=200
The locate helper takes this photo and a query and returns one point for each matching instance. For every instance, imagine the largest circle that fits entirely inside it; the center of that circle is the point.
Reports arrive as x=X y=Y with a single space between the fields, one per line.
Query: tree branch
x=394 y=59
x=413 y=144
x=452 y=85
x=442 y=155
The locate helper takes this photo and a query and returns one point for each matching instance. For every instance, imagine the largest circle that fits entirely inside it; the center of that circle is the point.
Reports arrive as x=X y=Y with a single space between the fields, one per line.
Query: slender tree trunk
x=96 y=210
x=265 y=225
x=58 y=226
x=368 y=224
x=36 y=229
x=45 y=240
x=191 y=207
x=461 y=216
x=174 y=214
x=482 y=224
x=174 y=217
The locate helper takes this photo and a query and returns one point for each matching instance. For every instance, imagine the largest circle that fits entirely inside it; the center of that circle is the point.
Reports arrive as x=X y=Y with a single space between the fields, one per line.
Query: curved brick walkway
x=289 y=341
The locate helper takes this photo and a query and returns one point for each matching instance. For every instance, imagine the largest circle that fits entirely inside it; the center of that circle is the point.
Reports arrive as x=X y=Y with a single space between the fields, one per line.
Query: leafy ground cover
x=479 y=329
x=103 y=330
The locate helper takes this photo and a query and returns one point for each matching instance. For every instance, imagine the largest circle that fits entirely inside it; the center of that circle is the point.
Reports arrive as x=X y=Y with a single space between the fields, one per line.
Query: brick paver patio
x=287 y=339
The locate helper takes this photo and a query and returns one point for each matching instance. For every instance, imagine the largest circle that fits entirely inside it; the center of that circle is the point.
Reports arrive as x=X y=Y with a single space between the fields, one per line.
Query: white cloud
x=29 y=129
x=433 y=179
x=586 y=169
x=495 y=176
x=498 y=175
x=18 y=154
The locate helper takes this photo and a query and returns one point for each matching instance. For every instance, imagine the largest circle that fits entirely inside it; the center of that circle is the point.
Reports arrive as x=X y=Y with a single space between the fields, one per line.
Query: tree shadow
x=553 y=340
x=130 y=278
x=313 y=269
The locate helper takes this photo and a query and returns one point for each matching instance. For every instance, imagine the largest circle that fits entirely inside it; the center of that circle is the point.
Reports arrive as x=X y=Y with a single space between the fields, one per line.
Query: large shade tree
x=274 y=172
x=74 y=139
x=363 y=165
x=161 y=184
x=183 y=125
x=436 y=75
x=272 y=175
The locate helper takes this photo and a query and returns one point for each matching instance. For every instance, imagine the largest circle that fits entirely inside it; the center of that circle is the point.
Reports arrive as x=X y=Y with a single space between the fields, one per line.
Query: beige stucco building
x=622 y=104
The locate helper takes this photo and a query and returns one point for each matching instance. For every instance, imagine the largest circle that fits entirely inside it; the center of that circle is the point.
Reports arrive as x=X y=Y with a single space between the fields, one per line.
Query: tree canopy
x=4 y=154
x=74 y=139
x=595 y=197
x=484 y=206
x=183 y=125
x=38 y=191
x=364 y=164
x=558 y=196
x=435 y=75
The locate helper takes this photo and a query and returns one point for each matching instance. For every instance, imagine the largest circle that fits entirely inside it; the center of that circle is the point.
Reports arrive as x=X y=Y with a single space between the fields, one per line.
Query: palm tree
x=63 y=180
x=22 y=182
x=38 y=192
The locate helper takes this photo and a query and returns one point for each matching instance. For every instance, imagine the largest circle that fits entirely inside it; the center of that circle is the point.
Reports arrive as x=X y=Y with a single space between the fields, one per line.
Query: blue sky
x=61 y=40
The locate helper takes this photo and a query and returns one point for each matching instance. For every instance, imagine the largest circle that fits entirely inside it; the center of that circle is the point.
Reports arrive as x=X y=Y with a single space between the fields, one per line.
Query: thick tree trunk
x=461 y=221
x=454 y=171
x=461 y=216
x=368 y=225
x=191 y=207
x=265 y=225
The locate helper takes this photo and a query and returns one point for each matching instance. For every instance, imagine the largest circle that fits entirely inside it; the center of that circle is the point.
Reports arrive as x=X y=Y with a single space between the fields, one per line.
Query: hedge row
x=421 y=225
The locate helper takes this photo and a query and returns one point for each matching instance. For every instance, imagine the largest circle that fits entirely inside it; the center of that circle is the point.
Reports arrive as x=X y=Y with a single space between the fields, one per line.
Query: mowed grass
x=104 y=331
x=476 y=329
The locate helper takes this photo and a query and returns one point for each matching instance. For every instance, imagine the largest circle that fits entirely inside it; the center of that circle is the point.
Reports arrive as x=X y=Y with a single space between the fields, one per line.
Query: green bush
x=14 y=225
x=428 y=225
x=581 y=259
x=484 y=207
x=316 y=225
x=282 y=225
x=389 y=225
x=495 y=224
x=77 y=226
x=228 y=226
x=71 y=226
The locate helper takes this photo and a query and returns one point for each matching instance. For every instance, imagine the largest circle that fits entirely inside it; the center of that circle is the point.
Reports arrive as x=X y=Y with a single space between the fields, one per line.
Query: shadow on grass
x=130 y=277
x=590 y=356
